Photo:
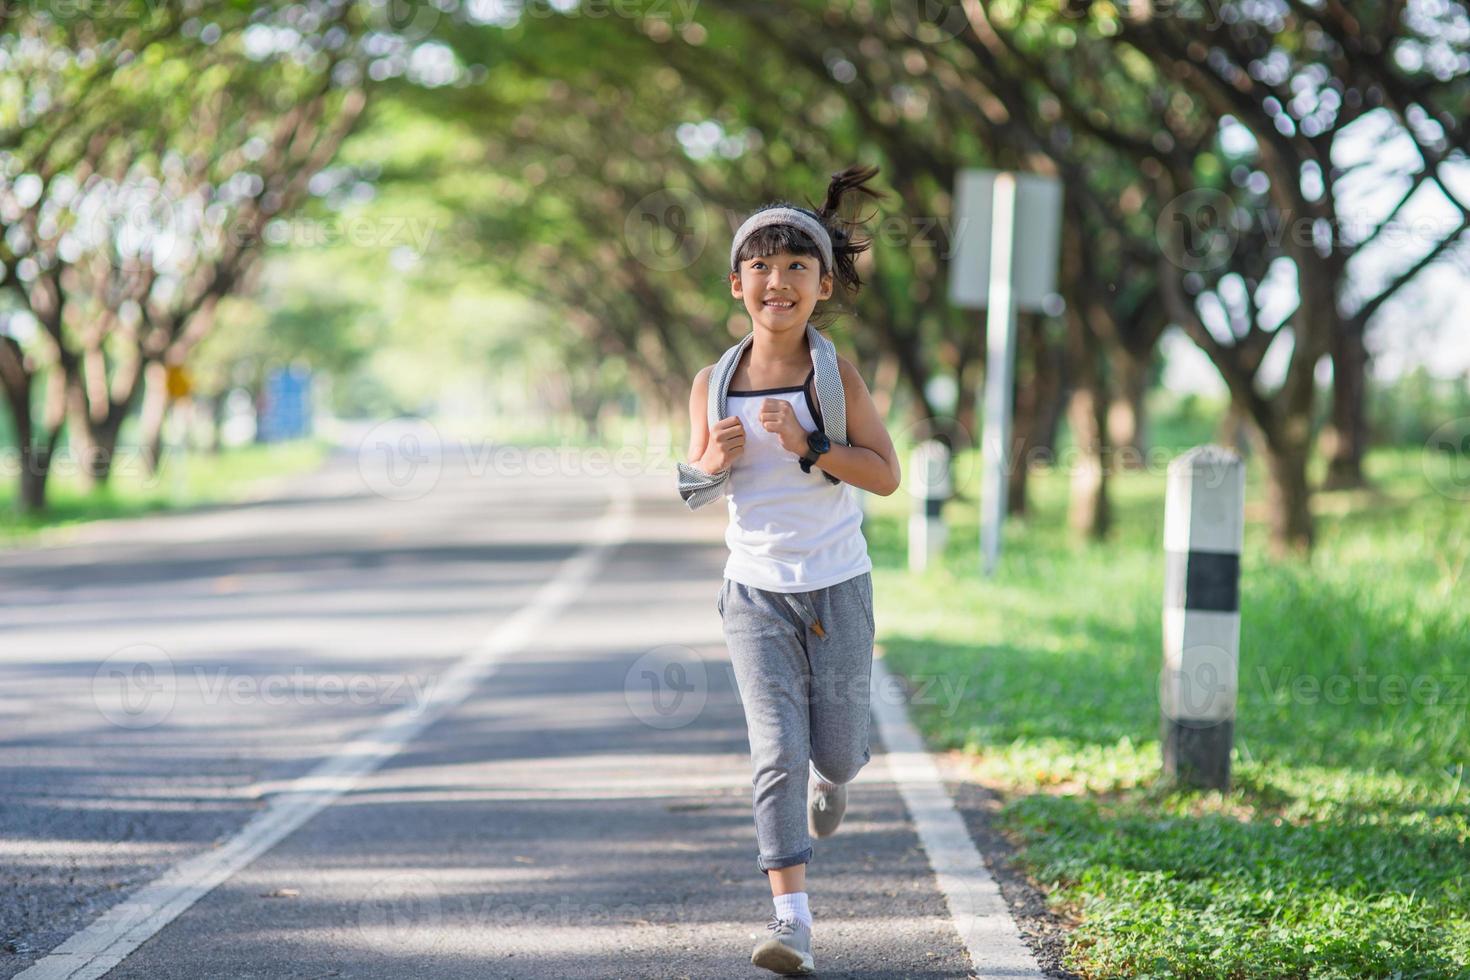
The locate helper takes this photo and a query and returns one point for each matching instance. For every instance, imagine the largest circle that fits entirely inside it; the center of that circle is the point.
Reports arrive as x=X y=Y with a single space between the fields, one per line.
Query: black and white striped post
x=1204 y=526
x=930 y=465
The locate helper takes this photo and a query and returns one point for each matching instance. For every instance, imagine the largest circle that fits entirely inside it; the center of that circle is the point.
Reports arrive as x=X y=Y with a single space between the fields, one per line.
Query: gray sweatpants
x=803 y=663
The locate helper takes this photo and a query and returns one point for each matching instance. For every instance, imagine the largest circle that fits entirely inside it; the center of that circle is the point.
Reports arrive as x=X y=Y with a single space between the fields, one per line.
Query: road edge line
x=976 y=907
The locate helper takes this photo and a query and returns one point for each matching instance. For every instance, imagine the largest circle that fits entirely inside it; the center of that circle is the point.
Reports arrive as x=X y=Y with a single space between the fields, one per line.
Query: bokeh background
x=233 y=234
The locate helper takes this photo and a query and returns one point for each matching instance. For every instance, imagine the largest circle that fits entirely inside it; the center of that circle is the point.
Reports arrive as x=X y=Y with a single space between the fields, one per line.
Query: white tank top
x=789 y=531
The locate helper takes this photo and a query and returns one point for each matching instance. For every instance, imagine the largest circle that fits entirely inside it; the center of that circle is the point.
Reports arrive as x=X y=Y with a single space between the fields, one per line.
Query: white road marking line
x=975 y=904
x=126 y=926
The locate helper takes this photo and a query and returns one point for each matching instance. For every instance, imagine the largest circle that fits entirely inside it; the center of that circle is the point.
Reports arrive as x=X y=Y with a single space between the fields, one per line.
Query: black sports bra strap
x=811 y=397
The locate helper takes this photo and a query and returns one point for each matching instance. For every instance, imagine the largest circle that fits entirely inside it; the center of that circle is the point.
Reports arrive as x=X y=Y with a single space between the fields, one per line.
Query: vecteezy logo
x=411 y=20
x=666 y=687
x=1446 y=459
x=1199 y=691
x=930 y=21
x=403 y=912
x=401 y=459
x=960 y=468
x=667 y=230
x=135 y=686
x=1197 y=230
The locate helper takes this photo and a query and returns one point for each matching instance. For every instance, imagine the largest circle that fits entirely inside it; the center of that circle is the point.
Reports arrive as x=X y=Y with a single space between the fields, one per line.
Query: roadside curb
x=981 y=916
x=1042 y=930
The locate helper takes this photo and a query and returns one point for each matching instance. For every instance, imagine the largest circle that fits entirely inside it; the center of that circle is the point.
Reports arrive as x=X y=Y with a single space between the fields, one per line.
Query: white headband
x=783 y=216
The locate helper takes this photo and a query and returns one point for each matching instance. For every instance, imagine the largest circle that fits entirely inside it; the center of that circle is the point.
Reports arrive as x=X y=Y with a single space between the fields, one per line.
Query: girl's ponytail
x=845 y=247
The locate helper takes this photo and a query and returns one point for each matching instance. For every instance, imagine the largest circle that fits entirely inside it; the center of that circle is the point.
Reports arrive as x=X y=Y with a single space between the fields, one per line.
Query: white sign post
x=1000 y=373
x=1006 y=239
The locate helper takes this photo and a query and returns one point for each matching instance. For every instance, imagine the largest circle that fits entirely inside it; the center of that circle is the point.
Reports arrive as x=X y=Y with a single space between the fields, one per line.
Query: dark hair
x=845 y=246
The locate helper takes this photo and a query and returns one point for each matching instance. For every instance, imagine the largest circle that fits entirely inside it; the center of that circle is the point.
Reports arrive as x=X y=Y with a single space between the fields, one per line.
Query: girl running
x=797 y=597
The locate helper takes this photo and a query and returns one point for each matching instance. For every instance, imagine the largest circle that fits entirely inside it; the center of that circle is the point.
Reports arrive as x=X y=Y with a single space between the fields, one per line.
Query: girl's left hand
x=779 y=417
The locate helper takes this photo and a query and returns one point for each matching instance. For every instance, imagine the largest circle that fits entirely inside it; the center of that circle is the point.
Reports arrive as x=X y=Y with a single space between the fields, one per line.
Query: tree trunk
x=1037 y=406
x=969 y=375
x=15 y=382
x=885 y=384
x=915 y=371
x=92 y=439
x=94 y=444
x=591 y=418
x=1053 y=404
x=1088 y=511
x=35 y=463
x=1234 y=431
x=35 y=440
x=35 y=468
x=1349 y=433
x=1126 y=412
x=154 y=414
x=1288 y=496
x=966 y=410
x=37 y=454
x=1024 y=412
x=216 y=410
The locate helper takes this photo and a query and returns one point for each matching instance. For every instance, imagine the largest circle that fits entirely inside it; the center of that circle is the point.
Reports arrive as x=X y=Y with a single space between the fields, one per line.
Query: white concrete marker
x=1204 y=531
x=929 y=463
x=980 y=914
x=126 y=926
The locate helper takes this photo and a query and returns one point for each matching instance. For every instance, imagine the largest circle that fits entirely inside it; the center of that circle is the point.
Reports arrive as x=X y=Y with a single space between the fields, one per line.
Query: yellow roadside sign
x=179 y=383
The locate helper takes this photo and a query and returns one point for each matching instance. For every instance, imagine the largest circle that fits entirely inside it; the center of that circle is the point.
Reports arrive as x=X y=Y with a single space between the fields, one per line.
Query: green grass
x=200 y=478
x=1340 y=851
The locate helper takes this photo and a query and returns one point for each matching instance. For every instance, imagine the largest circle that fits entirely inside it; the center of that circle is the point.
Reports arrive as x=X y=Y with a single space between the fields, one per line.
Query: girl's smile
x=780 y=289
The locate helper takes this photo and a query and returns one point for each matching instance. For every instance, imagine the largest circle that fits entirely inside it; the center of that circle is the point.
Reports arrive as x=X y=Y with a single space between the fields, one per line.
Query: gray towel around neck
x=697 y=487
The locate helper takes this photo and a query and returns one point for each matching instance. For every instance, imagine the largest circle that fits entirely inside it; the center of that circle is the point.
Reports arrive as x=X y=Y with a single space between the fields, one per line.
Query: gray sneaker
x=789 y=951
x=824 y=810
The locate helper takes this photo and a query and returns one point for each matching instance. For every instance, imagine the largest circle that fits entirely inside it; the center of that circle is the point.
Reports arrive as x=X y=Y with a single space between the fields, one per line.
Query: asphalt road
x=581 y=808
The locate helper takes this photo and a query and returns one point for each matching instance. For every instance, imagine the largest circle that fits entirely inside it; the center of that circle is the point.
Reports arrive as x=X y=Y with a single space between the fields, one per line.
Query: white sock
x=822 y=784
x=793 y=905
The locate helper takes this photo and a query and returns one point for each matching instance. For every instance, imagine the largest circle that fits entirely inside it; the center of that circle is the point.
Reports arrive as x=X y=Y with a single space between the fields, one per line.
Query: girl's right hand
x=726 y=444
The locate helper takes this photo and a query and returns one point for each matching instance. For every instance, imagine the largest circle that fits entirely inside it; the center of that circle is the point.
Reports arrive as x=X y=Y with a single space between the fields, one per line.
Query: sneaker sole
x=777 y=957
x=828 y=824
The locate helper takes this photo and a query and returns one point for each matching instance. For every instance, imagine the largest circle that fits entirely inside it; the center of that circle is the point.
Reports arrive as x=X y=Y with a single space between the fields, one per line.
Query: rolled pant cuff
x=766 y=864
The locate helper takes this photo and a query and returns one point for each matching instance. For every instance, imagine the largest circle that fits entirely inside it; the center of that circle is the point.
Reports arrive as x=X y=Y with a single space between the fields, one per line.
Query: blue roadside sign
x=287 y=413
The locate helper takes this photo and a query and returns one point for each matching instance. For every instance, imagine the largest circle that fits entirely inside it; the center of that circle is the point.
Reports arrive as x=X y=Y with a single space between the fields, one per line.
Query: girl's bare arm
x=698 y=427
x=869 y=461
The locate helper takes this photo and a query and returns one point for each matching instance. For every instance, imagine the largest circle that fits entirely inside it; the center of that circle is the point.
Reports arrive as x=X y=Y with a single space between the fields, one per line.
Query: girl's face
x=781 y=290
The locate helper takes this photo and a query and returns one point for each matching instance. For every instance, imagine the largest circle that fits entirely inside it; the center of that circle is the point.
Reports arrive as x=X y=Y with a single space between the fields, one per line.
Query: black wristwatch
x=817 y=443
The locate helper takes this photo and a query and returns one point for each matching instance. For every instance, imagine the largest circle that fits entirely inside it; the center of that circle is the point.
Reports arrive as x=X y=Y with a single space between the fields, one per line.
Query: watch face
x=819 y=442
